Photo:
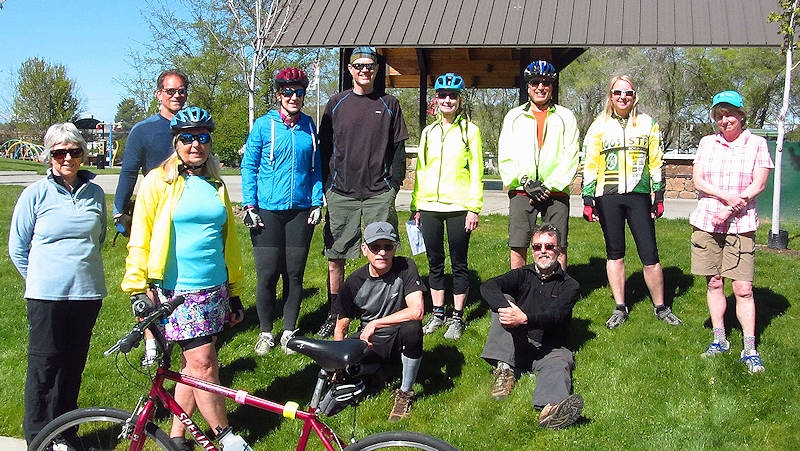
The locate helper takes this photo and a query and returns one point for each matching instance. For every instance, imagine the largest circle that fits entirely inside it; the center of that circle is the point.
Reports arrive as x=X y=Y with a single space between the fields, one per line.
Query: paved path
x=495 y=202
x=12 y=444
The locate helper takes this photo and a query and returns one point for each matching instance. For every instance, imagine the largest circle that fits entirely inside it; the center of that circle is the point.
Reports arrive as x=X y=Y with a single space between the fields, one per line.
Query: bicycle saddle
x=330 y=355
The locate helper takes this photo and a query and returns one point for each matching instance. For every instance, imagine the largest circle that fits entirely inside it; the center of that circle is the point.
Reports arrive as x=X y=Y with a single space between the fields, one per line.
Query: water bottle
x=231 y=441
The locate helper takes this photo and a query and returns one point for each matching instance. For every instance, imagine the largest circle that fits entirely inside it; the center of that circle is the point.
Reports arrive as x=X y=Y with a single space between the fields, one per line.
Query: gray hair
x=547 y=229
x=61 y=133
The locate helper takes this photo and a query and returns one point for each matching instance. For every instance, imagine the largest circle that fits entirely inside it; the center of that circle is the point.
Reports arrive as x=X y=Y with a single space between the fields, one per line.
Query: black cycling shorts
x=614 y=210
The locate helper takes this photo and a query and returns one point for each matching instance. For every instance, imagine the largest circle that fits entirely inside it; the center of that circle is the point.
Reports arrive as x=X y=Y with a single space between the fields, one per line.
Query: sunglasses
x=548 y=246
x=188 y=138
x=377 y=247
x=172 y=91
x=363 y=66
x=288 y=93
x=451 y=94
x=627 y=92
x=543 y=82
x=62 y=153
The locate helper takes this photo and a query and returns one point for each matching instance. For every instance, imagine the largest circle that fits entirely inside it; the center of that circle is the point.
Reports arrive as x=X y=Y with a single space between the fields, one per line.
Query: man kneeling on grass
x=531 y=311
x=386 y=294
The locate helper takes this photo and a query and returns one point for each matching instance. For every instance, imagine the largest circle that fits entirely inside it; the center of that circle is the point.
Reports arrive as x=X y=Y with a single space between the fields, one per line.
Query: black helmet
x=192 y=117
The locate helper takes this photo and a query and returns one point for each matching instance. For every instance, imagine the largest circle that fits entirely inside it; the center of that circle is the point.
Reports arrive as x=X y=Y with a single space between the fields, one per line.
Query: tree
x=129 y=112
x=44 y=96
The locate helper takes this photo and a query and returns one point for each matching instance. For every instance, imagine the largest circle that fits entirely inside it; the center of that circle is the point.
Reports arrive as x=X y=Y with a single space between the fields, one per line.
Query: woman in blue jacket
x=282 y=195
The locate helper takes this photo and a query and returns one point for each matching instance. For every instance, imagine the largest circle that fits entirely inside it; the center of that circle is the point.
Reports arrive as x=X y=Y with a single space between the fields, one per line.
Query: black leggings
x=280 y=246
x=613 y=210
x=432 y=225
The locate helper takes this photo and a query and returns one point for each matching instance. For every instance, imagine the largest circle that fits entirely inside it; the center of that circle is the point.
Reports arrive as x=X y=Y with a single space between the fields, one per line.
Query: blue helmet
x=191 y=117
x=540 y=68
x=449 y=81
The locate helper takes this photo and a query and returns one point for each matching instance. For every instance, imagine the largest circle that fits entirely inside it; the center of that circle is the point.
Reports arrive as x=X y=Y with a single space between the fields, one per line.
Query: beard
x=546 y=267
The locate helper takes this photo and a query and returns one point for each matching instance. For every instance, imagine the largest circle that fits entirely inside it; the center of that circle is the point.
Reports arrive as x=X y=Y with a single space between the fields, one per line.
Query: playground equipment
x=20 y=150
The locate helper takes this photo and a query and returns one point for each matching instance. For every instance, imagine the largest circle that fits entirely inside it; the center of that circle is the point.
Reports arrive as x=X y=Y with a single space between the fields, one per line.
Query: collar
x=290 y=121
x=742 y=138
x=527 y=108
x=557 y=274
x=83 y=176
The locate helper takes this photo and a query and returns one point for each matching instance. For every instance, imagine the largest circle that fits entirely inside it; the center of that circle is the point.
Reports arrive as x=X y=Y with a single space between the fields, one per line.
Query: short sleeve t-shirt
x=370 y=298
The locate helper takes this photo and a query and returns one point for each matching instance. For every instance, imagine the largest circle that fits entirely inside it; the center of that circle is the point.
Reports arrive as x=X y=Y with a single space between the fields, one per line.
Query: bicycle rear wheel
x=400 y=440
x=97 y=428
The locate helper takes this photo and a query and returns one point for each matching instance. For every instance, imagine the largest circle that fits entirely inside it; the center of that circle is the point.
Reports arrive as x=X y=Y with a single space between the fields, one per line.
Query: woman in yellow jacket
x=448 y=190
x=183 y=241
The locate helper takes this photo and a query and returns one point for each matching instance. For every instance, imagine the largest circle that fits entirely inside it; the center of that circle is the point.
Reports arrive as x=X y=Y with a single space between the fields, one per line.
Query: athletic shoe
x=266 y=341
x=617 y=318
x=715 y=348
x=433 y=323
x=563 y=414
x=285 y=337
x=455 y=329
x=149 y=359
x=182 y=443
x=667 y=316
x=753 y=361
x=402 y=404
x=327 y=328
x=503 y=382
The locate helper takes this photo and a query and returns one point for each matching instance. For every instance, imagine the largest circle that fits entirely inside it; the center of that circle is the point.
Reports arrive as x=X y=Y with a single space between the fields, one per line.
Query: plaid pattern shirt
x=730 y=167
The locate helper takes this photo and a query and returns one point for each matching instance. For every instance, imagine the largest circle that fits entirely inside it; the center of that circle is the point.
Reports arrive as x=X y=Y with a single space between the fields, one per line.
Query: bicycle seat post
x=322 y=381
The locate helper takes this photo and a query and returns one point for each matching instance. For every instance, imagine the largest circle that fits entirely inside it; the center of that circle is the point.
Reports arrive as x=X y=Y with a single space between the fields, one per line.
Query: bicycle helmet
x=449 y=81
x=291 y=76
x=540 y=68
x=190 y=118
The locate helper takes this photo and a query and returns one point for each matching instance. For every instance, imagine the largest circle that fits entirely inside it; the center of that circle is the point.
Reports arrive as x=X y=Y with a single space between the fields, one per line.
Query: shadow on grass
x=579 y=334
x=440 y=366
x=769 y=305
x=676 y=284
x=590 y=276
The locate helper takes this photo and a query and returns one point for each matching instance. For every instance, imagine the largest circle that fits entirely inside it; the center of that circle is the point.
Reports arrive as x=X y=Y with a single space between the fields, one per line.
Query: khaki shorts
x=343 y=226
x=729 y=255
x=522 y=218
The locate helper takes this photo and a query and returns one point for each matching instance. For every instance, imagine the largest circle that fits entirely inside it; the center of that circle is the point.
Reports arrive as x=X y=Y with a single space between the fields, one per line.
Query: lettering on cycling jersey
x=198 y=435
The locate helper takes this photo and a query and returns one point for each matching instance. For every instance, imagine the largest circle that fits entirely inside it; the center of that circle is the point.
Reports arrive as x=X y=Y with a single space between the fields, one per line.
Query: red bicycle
x=106 y=428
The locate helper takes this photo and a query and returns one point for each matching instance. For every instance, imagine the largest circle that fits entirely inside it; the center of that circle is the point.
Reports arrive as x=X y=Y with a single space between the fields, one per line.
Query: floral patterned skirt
x=204 y=312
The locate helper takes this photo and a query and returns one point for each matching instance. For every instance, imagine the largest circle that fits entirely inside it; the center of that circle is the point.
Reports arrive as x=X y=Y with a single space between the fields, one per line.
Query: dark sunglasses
x=363 y=66
x=288 y=93
x=62 y=153
x=548 y=246
x=172 y=91
x=543 y=82
x=376 y=247
x=188 y=138
x=627 y=92
x=445 y=94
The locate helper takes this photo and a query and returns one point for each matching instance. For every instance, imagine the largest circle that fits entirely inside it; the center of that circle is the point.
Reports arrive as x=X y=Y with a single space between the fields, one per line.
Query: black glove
x=534 y=188
x=123 y=222
x=141 y=305
x=251 y=219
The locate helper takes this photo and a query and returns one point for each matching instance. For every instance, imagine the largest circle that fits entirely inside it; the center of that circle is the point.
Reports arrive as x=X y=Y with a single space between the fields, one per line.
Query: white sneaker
x=285 y=337
x=266 y=341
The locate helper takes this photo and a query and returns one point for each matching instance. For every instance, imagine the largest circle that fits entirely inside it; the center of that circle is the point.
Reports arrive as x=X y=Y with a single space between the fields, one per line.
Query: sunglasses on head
x=363 y=66
x=62 y=153
x=548 y=246
x=627 y=92
x=172 y=91
x=377 y=247
x=445 y=94
x=288 y=93
x=542 y=81
x=188 y=138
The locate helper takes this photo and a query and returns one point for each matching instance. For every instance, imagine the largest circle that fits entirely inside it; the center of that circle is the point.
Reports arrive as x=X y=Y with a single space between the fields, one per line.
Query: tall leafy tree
x=129 y=112
x=44 y=95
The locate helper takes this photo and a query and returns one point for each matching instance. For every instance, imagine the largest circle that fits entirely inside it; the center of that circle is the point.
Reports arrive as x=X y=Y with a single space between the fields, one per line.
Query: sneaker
x=266 y=341
x=716 y=348
x=182 y=443
x=563 y=414
x=667 y=316
x=285 y=337
x=149 y=359
x=402 y=404
x=455 y=329
x=327 y=328
x=503 y=382
x=433 y=323
x=753 y=361
x=617 y=318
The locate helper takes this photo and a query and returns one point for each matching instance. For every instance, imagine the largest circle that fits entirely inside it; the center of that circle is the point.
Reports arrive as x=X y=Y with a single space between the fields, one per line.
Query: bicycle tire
x=399 y=440
x=98 y=428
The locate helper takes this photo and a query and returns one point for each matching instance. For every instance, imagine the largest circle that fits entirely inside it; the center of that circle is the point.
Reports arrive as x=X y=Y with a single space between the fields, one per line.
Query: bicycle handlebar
x=132 y=339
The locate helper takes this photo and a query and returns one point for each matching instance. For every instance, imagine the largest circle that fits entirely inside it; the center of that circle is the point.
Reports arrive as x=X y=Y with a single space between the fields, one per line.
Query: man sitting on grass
x=531 y=311
x=386 y=294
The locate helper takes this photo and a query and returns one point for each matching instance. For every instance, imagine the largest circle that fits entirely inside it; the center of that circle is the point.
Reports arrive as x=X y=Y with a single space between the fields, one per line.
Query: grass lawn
x=645 y=385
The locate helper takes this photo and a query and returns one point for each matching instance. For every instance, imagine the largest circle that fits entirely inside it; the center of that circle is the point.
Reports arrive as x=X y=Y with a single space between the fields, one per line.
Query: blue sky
x=90 y=37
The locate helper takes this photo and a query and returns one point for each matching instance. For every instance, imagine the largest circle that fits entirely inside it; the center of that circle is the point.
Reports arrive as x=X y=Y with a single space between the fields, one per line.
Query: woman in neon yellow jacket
x=448 y=190
x=624 y=164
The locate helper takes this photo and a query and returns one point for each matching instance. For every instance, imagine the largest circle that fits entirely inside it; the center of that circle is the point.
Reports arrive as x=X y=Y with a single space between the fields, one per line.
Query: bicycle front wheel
x=97 y=428
x=400 y=440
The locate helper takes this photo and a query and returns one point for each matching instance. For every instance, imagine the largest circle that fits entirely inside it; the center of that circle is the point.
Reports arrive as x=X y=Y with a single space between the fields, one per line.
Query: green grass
x=644 y=384
x=10 y=164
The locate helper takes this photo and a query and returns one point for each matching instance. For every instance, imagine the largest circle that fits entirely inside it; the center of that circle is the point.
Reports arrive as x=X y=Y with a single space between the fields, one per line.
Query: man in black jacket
x=531 y=311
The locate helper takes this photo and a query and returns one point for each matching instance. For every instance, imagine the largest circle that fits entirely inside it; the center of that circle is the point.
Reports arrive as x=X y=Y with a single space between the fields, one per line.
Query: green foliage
x=129 y=113
x=787 y=21
x=44 y=95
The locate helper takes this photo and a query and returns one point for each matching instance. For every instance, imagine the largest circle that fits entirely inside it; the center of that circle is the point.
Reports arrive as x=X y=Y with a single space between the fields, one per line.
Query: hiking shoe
x=454 y=329
x=402 y=404
x=182 y=443
x=266 y=341
x=753 y=361
x=667 y=316
x=617 y=318
x=563 y=414
x=149 y=359
x=327 y=328
x=287 y=335
x=433 y=323
x=503 y=382
x=716 y=348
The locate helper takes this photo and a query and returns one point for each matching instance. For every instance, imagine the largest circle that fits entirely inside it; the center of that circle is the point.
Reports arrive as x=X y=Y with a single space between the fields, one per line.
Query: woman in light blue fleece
x=57 y=232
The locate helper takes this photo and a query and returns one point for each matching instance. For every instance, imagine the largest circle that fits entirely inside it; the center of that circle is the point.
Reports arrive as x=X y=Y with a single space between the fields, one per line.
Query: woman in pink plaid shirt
x=730 y=170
